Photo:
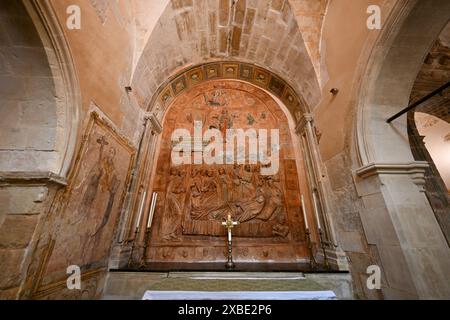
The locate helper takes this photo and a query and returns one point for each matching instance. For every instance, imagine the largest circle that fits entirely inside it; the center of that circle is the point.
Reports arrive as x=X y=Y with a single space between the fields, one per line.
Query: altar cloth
x=239 y=295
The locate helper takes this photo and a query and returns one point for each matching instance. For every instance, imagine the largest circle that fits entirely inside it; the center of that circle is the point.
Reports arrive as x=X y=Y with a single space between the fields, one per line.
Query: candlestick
x=152 y=209
x=152 y=203
x=312 y=259
x=304 y=213
x=141 y=207
x=130 y=258
x=325 y=258
x=316 y=210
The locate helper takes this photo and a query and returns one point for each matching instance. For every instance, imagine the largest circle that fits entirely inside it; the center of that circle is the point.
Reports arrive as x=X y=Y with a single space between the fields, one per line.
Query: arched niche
x=227 y=70
x=299 y=121
x=397 y=218
x=263 y=32
x=39 y=106
x=40 y=95
x=268 y=207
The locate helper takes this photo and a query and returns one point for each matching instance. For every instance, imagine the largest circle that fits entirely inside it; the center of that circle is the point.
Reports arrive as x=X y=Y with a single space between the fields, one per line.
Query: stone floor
x=133 y=285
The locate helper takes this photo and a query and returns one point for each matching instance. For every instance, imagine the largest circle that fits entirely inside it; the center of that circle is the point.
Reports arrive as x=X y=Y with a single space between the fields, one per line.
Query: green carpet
x=177 y=284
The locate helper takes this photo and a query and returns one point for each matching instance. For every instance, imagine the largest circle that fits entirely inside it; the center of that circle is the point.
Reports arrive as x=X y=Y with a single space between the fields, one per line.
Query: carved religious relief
x=174 y=205
x=216 y=98
x=209 y=194
x=197 y=198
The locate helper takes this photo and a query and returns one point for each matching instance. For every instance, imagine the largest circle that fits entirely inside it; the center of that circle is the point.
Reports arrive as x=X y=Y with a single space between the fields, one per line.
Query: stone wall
x=397 y=217
x=28 y=111
x=24 y=205
x=348 y=43
x=435 y=188
x=31 y=120
x=310 y=16
x=264 y=32
x=103 y=52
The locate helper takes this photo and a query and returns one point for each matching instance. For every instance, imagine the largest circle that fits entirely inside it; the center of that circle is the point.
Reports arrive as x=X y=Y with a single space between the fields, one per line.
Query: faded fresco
x=84 y=227
x=195 y=199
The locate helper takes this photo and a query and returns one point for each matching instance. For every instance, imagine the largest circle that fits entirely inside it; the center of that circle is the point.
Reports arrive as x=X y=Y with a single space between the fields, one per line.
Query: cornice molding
x=32 y=177
x=392 y=168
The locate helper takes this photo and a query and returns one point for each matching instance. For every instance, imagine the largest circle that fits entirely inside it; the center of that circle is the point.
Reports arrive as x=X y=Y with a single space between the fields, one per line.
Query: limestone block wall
x=435 y=187
x=348 y=223
x=310 y=15
x=398 y=59
x=348 y=43
x=264 y=32
x=24 y=205
x=28 y=118
x=103 y=53
x=31 y=121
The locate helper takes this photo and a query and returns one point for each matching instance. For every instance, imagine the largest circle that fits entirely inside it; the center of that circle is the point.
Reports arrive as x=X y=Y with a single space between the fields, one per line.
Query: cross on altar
x=230 y=224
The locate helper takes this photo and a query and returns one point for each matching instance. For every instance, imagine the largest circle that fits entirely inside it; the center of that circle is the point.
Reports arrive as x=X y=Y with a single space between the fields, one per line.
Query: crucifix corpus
x=230 y=224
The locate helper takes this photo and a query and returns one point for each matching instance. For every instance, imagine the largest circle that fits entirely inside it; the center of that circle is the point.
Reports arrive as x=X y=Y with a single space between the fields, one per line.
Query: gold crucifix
x=230 y=224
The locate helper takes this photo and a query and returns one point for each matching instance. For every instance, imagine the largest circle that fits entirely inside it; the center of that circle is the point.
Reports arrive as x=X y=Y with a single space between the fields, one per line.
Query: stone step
x=134 y=285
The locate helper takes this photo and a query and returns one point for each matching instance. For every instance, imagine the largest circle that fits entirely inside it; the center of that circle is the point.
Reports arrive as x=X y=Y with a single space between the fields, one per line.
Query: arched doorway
x=39 y=110
x=429 y=128
x=40 y=98
x=397 y=218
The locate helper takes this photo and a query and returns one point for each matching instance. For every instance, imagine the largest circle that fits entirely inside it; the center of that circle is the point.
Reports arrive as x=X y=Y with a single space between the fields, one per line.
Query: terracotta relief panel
x=262 y=78
x=195 y=199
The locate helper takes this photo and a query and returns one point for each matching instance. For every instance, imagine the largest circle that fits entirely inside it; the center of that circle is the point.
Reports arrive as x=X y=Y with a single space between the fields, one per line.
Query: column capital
x=155 y=125
x=304 y=120
x=416 y=170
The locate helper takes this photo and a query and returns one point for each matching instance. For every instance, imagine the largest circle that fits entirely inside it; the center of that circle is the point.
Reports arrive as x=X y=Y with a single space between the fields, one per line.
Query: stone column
x=399 y=221
x=148 y=163
x=142 y=174
x=319 y=191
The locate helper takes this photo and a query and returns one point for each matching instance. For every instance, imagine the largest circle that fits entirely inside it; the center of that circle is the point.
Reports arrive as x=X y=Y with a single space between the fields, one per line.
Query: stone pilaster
x=318 y=187
x=139 y=197
x=25 y=200
x=399 y=221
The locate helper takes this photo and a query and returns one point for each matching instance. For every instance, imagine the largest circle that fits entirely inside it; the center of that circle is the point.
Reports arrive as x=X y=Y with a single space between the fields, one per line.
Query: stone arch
x=179 y=113
x=41 y=89
x=157 y=108
x=39 y=112
x=227 y=70
x=263 y=32
x=393 y=67
x=411 y=245
x=292 y=105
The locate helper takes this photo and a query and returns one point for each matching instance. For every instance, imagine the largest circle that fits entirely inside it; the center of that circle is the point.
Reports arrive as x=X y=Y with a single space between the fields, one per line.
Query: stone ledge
x=411 y=168
x=44 y=177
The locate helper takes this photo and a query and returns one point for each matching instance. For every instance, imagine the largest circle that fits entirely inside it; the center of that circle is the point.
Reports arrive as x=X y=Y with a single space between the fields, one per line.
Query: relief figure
x=103 y=177
x=174 y=205
x=208 y=200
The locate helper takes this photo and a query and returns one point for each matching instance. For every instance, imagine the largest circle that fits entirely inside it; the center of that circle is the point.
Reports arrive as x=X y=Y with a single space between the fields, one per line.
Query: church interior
x=99 y=201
